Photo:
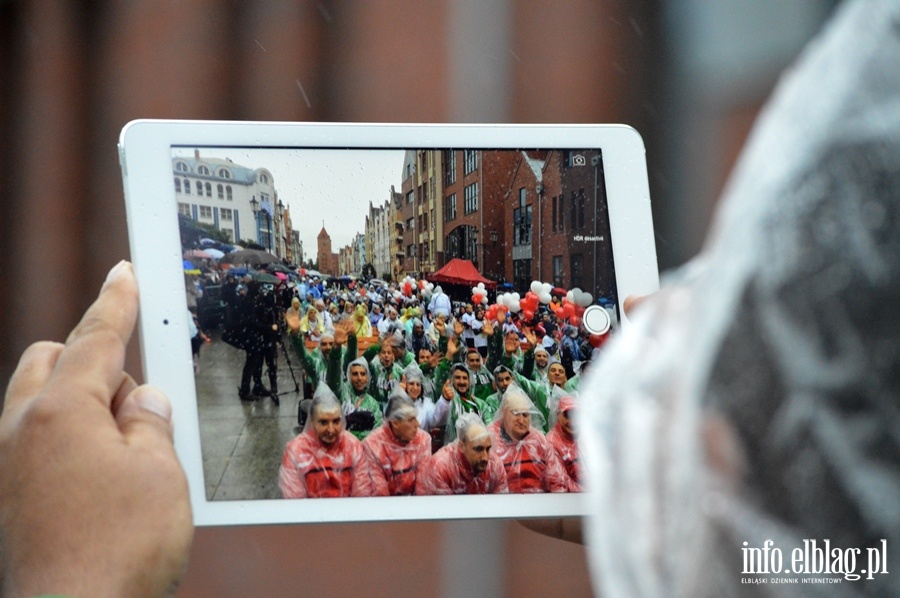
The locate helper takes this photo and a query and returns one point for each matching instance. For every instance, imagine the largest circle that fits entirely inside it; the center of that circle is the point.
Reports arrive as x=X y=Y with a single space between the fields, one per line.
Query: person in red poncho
x=530 y=461
x=398 y=449
x=562 y=437
x=467 y=465
x=324 y=461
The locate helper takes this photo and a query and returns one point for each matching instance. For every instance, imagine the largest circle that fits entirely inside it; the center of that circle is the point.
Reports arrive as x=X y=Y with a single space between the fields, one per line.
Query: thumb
x=145 y=416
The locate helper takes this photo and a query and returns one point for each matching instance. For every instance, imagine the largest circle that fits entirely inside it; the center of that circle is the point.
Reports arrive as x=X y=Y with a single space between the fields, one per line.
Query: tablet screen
x=373 y=244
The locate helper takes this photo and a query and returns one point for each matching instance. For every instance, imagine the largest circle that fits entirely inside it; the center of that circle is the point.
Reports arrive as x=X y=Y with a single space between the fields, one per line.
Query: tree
x=248 y=244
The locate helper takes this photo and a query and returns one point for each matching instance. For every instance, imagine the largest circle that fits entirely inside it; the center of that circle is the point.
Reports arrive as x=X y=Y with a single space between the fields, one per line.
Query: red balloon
x=492 y=312
x=598 y=339
x=528 y=313
x=575 y=321
x=569 y=310
x=560 y=313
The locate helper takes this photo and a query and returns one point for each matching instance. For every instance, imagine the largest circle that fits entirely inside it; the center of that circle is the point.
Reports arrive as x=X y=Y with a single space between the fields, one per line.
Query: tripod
x=287 y=358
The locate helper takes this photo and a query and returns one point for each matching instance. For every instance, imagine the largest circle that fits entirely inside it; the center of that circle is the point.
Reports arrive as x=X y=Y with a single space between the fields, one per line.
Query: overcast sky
x=323 y=184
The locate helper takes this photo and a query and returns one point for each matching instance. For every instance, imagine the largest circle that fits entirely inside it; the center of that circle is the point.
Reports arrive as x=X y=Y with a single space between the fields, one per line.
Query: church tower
x=324 y=253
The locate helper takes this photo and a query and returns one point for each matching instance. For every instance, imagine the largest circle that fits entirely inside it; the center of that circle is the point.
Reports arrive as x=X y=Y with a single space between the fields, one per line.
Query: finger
x=145 y=417
x=128 y=384
x=631 y=302
x=32 y=373
x=93 y=360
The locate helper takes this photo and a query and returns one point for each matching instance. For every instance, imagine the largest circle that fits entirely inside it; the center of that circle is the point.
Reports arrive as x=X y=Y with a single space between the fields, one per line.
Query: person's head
x=565 y=410
x=556 y=374
x=325 y=415
x=541 y=357
x=311 y=314
x=473 y=360
x=511 y=341
x=424 y=355
x=460 y=379
x=376 y=309
x=334 y=309
x=401 y=416
x=479 y=314
x=398 y=345
x=358 y=374
x=503 y=377
x=295 y=303
x=418 y=328
x=414 y=379
x=386 y=354
x=469 y=308
x=474 y=441
x=515 y=413
x=392 y=313
x=326 y=343
x=440 y=317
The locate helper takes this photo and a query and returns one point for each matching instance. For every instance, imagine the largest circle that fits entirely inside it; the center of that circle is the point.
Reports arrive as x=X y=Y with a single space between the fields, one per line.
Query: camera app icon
x=577 y=160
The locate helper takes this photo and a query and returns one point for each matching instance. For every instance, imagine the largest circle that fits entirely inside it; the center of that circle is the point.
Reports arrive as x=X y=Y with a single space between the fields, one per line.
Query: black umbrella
x=253 y=257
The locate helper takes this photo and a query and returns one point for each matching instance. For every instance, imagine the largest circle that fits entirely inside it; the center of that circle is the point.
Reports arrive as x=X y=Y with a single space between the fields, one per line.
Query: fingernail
x=117 y=271
x=153 y=400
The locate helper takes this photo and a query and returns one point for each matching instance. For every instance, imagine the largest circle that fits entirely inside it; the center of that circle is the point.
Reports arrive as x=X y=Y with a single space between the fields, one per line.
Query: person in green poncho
x=362 y=411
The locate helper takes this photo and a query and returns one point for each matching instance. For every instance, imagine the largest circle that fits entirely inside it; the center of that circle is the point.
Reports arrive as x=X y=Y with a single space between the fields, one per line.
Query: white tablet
x=362 y=214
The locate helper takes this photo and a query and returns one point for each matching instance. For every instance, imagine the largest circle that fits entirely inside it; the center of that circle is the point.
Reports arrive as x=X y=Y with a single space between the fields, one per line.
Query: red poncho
x=395 y=467
x=531 y=464
x=311 y=469
x=449 y=472
x=567 y=451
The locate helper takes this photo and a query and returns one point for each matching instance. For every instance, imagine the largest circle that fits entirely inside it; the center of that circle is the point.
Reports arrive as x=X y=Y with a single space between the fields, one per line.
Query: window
x=410 y=251
x=409 y=197
x=574 y=222
x=431 y=189
x=205 y=212
x=557 y=271
x=522 y=273
x=184 y=209
x=581 y=209
x=220 y=191
x=199 y=188
x=203 y=170
x=577 y=267
x=263 y=198
x=471 y=198
x=263 y=179
x=561 y=221
x=208 y=190
x=409 y=224
x=409 y=170
x=228 y=192
x=522 y=221
x=224 y=173
x=181 y=167
x=187 y=186
x=177 y=185
x=470 y=161
x=229 y=234
x=226 y=214
x=425 y=252
x=450 y=166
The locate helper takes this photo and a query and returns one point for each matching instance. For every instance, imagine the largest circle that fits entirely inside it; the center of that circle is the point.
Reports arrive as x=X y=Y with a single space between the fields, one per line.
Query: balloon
x=545 y=289
x=597 y=339
x=546 y=298
x=529 y=314
x=492 y=312
x=587 y=299
x=536 y=287
x=514 y=307
x=571 y=295
x=575 y=321
x=560 y=313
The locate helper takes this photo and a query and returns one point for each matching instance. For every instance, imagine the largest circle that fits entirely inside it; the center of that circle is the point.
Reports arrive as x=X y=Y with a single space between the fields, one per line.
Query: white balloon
x=514 y=307
x=536 y=287
x=571 y=296
x=545 y=298
x=586 y=299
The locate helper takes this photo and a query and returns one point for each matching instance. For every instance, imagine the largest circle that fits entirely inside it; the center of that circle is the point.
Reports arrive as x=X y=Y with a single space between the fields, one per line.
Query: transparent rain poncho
x=310 y=468
x=756 y=397
x=450 y=472
x=431 y=414
x=531 y=463
x=565 y=444
x=396 y=465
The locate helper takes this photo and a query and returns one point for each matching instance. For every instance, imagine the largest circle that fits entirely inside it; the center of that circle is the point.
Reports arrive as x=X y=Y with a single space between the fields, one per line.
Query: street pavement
x=242 y=441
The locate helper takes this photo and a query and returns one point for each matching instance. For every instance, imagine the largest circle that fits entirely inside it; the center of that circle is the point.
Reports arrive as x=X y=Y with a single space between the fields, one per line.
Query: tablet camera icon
x=577 y=160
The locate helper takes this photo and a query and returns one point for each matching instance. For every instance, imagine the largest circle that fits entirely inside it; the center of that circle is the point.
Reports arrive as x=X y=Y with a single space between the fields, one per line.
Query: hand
x=441 y=327
x=435 y=359
x=488 y=328
x=403 y=381
x=342 y=331
x=501 y=316
x=458 y=327
x=530 y=337
x=447 y=391
x=94 y=501
x=452 y=348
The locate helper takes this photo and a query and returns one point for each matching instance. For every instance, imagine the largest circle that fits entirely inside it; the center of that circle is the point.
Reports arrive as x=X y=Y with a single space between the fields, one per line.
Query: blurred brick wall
x=73 y=73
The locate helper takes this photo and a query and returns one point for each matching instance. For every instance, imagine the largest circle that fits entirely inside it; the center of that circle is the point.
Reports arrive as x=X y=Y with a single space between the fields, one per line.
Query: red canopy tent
x=459 y=271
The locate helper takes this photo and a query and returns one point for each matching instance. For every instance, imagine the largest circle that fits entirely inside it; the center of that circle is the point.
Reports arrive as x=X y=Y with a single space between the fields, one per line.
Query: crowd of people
x=409 y=392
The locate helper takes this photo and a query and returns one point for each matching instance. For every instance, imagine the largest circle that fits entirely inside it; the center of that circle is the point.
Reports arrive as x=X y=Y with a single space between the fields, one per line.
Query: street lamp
x=494 y=236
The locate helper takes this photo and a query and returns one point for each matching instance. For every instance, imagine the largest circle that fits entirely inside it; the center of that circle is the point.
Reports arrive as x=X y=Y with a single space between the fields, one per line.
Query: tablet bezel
x=145 y=148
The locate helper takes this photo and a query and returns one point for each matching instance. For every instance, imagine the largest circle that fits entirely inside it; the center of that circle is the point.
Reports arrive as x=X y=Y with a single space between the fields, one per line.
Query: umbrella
x=214 y=253
x=199 y=253
x=265 y=277
x=250 y=256
x=188 y=265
